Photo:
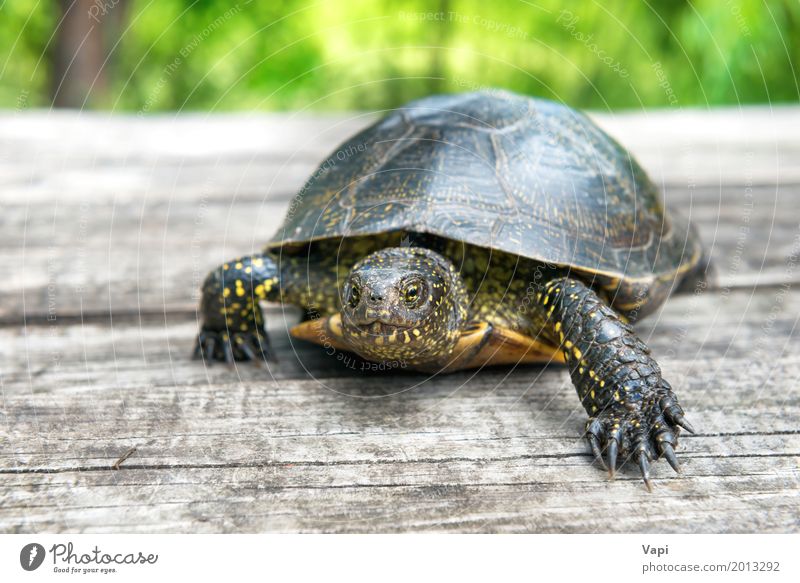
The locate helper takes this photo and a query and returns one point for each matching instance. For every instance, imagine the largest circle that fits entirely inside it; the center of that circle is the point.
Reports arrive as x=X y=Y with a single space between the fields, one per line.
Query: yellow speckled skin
x=482 y=211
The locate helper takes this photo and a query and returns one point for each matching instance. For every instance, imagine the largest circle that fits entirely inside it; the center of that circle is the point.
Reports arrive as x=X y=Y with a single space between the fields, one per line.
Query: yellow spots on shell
x=260 y=291
x=576 y=351
x=591 y=374
x=379 y=340
x=591 y=393
x=258 y=262
x=602 y=383
x=238 y=265
x=225 y=266
x=558 y=326
x=243 y=327
x=568 y=344
x=561 y=336
x=580 y=370
x=406 y=337
x=226 y=292
x=416 y=332
x=248 y=269
x=573 y=296
x=616 y=395
x=594 y=409
x=546 y=299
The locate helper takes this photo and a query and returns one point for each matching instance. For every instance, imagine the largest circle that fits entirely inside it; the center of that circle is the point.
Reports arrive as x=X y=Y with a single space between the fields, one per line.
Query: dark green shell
x=526 y=176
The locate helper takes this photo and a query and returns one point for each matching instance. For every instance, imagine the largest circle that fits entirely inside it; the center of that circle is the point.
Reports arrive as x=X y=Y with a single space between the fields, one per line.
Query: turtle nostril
x=375 y=297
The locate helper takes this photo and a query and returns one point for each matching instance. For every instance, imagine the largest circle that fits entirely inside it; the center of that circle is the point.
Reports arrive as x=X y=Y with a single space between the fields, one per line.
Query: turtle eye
x=411 y=294
x=355 y=295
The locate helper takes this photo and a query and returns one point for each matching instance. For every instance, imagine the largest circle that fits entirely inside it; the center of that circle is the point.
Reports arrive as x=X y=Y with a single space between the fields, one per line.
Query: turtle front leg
x=232 y=325
x=633 y=412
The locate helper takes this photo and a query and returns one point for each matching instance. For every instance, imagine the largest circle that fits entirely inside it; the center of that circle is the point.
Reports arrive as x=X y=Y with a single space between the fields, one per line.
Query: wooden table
x=109 y=224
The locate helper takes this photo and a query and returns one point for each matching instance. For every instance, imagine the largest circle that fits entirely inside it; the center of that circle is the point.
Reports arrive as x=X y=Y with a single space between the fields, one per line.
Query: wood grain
x=110 y=222
x=152 y=256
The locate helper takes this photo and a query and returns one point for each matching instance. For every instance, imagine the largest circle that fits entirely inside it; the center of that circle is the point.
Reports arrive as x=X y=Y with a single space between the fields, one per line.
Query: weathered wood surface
x=109 y=224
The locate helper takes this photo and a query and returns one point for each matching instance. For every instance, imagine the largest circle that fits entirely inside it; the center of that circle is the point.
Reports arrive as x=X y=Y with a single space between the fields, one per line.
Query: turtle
x=474 y=229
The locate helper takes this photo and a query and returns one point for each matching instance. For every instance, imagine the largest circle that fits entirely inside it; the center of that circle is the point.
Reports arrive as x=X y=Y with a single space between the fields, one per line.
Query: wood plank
x=109 y=225
x=296 y=497
x=152 y=256
x=737 y=145
x=127 y=350
x=118 y=213
x=501 y=451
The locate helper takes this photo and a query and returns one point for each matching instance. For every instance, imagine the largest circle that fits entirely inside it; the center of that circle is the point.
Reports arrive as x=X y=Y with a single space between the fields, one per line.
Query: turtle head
x=404 y=304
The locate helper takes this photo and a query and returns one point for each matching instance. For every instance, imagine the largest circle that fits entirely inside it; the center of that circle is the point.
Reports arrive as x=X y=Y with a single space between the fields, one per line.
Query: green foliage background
x=296 y=54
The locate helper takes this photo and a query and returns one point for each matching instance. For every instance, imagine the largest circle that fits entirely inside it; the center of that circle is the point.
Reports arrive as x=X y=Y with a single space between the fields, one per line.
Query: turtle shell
x=526 y=176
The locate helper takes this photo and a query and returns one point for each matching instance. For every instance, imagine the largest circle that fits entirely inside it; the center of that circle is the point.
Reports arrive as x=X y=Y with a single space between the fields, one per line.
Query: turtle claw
x=598 y=455
x=674 y=414
x=644 y=466
x=212 y=345
x=209 y=348
x=680 y=421
x=668 y=452
x=227 y=352
x=643 y=434
x=613 y=448
x=248 y=352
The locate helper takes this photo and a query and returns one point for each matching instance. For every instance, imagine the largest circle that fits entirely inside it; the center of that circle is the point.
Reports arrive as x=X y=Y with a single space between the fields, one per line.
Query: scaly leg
x=633 y=412
x=233 y=325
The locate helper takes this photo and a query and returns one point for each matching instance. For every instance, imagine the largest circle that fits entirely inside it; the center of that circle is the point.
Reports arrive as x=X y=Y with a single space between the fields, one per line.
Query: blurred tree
x=83 y=41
